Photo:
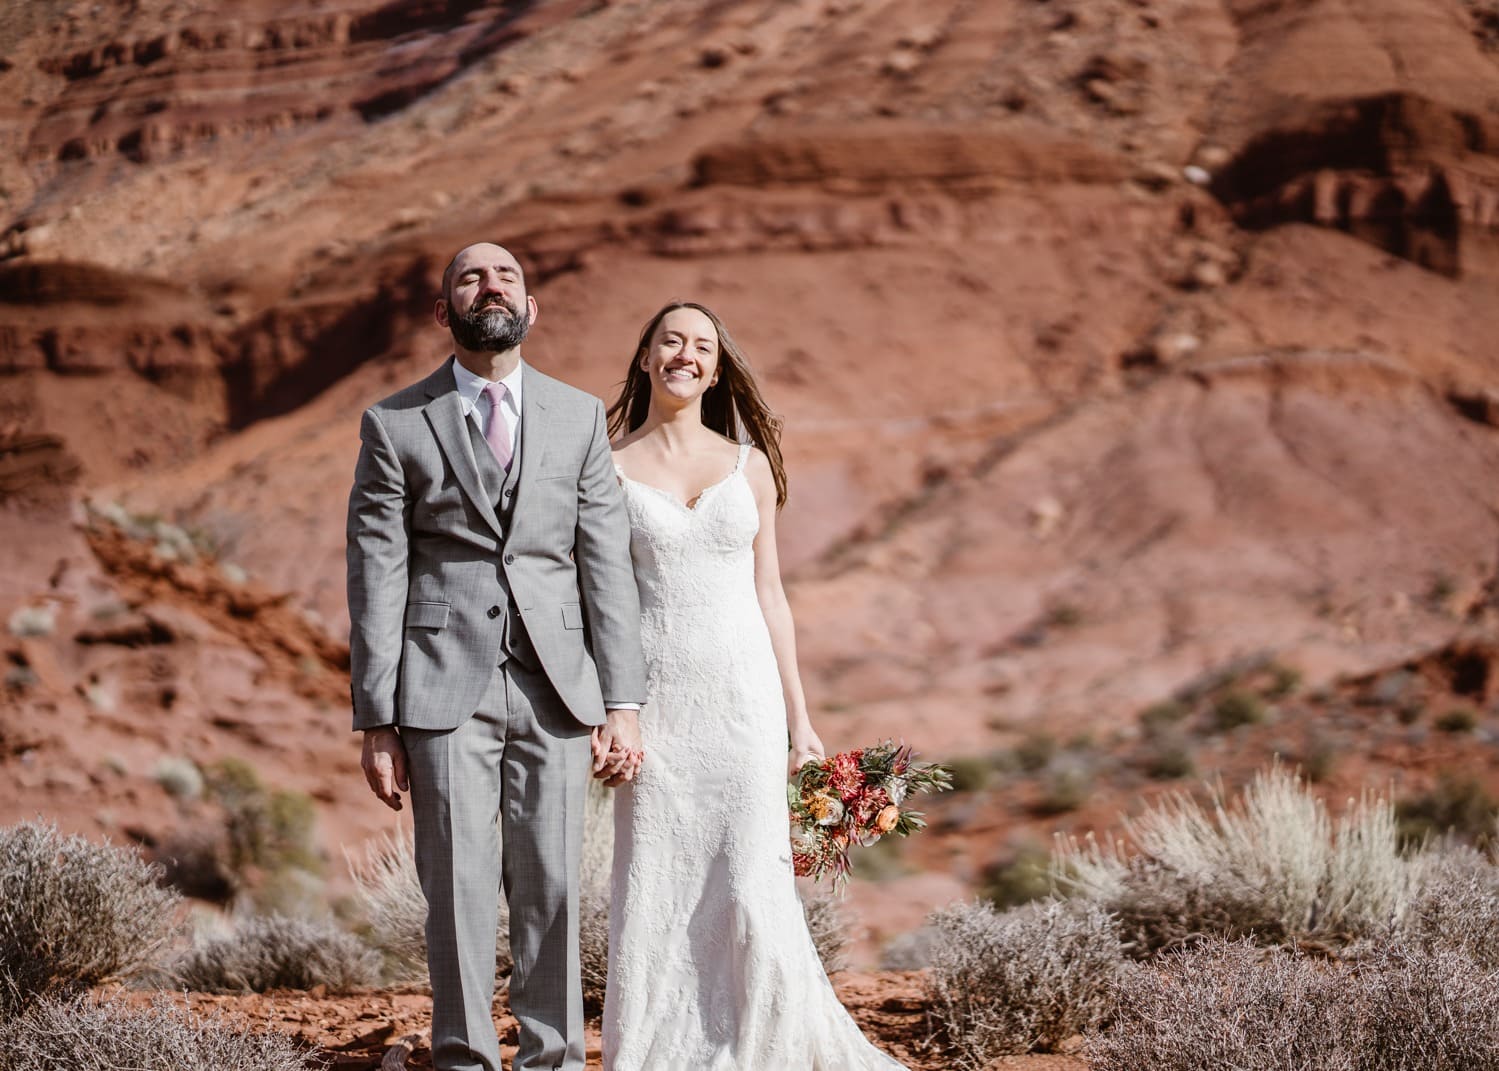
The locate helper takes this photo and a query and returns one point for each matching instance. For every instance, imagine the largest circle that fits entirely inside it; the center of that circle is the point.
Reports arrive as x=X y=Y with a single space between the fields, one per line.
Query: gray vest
x=515 y=642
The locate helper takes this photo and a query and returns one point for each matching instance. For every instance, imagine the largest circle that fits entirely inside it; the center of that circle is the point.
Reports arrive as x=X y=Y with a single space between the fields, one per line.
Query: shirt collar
x=471 y=387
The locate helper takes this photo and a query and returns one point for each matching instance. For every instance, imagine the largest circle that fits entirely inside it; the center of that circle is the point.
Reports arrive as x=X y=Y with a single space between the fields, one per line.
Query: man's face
x=486 y=306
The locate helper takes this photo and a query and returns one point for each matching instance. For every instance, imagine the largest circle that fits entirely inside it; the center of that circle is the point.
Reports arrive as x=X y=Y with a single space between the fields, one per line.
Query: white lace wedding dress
x=711 y=965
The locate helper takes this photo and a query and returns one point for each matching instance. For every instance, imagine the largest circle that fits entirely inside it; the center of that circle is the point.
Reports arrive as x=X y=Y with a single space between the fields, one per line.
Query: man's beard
x=489 y=330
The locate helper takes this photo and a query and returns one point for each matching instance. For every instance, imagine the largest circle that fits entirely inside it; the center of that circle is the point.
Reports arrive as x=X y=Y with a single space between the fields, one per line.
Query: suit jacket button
x=493 y=611
x=510 y=559
x=509 y=491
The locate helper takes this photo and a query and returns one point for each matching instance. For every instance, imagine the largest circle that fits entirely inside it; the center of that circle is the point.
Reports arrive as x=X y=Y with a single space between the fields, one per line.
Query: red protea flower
x=846 y=778
x=870 y=801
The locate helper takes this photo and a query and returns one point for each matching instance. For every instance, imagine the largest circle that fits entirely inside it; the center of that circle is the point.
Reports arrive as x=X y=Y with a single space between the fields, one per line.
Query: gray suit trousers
x=522 y=759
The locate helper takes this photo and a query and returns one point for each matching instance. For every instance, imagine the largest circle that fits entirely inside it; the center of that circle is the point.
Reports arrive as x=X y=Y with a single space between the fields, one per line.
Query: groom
x=494 y=644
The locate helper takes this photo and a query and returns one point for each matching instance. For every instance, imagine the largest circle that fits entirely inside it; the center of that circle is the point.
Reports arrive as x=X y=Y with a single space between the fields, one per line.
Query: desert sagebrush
x=1237 y=1005
x=1457 y=907
x=593 y=952
x=87 y=1034
x=74 y=914
x=1227 y=1004
x=1023 y=980
x=268 y=952
x=825 y=922
x=1272 y=864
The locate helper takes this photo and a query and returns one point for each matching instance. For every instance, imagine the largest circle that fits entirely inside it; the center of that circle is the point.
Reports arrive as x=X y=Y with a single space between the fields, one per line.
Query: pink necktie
x=498 y=435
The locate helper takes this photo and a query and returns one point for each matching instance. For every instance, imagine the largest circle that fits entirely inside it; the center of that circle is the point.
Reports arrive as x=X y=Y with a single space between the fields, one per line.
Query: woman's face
x=681 y=359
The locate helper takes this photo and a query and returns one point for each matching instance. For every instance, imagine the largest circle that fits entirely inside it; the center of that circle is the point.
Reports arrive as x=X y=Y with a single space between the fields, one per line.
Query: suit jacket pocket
x=426 y=614
x=572 y=615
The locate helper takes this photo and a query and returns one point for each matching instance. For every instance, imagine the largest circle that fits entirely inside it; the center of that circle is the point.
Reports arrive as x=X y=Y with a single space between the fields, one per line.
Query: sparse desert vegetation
x=88 y=1034
x=74 y=914
x=1272 y=863
x=1255 y=931
x=265 y=952
x=1235 y=1004
x=1022 y=980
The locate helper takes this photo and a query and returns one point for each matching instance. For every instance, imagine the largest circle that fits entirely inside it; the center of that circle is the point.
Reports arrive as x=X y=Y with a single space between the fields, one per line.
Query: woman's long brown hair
x=732 y=407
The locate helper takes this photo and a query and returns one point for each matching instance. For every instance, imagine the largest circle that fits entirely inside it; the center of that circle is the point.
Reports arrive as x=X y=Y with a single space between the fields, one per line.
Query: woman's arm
x=777 y=610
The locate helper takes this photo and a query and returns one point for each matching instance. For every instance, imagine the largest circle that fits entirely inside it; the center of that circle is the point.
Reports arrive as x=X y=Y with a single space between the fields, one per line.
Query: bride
x=711 y=964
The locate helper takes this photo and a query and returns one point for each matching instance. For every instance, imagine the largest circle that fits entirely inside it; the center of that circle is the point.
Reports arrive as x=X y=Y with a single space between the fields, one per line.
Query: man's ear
x=531 y=308
x=440 y=312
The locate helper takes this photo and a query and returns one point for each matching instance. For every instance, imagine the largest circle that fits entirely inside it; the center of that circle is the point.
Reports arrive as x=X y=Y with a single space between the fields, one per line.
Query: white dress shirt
x=476 y=404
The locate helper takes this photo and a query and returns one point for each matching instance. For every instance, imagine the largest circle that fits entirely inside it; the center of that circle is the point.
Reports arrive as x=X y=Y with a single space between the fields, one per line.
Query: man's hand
x=617 y=750
x=384 y=762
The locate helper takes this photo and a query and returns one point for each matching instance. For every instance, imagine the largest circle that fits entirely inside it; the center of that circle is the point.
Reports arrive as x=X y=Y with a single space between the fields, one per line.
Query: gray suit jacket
x=429 y=558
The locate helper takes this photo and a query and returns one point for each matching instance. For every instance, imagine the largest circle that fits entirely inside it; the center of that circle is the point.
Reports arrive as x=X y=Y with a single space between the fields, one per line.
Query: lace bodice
x=688 y=557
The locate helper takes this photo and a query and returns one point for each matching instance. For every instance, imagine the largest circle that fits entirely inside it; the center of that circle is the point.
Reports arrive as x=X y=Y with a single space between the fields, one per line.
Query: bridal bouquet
x=855 y=797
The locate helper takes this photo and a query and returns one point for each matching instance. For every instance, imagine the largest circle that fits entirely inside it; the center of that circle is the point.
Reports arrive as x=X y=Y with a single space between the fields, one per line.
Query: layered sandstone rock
x=1117 y=341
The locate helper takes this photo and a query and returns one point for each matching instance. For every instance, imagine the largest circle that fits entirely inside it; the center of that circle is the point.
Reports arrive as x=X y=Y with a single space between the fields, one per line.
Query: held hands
x=384 y=762
x=617 y=750
x=806 y=747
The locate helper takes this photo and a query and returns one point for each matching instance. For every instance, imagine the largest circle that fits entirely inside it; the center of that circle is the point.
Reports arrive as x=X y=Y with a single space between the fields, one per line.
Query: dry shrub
x=193 y=860
x=1457 y=908
x=1434 y=1010
x=87 y=1034
x=829 y=931
x=1458 y=807
x=1021 y=876
x=1271 y=864
x=179 y=776
x=911 y=951
x=1236 y=1005
x=390 y=897
x=389 y=894
x=597 y=864
x=268 y=829
x=1237 y=707
x=1227 y=1005
x=267 y=952
x=74 y=914
x=593 y=952
x=1020 y=981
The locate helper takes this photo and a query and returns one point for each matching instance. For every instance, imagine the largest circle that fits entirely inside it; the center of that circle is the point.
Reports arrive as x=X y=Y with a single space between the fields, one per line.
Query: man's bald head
x=479 y=254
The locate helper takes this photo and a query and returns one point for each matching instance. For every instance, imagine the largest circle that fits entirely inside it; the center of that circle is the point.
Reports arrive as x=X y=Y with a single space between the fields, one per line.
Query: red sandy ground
x=356 y=1031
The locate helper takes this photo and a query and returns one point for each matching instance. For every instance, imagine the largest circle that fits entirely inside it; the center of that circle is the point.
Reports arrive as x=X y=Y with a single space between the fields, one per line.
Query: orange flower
x=885 y=821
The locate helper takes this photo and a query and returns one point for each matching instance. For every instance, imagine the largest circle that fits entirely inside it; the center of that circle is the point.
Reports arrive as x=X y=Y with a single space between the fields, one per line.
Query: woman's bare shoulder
x=757 y=471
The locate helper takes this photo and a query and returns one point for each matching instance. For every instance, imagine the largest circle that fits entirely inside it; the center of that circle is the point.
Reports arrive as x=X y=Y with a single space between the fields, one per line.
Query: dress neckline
x=695 y=502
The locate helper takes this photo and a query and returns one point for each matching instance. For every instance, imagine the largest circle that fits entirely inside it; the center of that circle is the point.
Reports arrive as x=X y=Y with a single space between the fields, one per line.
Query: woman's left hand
x=805 y=747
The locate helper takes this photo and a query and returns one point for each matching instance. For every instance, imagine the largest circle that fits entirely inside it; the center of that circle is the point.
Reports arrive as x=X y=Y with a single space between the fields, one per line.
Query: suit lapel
x=445 y=414
x=533 y=432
